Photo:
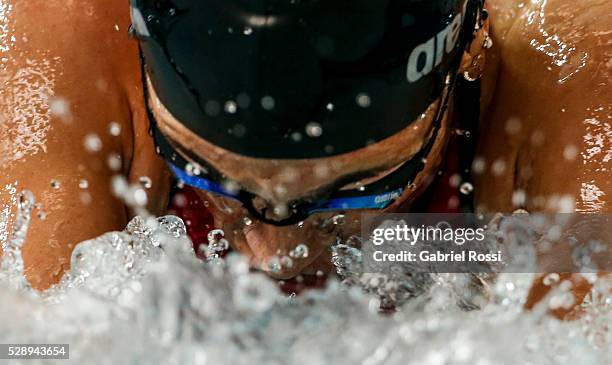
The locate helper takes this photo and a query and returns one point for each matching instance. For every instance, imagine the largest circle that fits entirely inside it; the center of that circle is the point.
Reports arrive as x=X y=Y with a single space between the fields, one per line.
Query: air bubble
x=83 y=184
x=55 y=184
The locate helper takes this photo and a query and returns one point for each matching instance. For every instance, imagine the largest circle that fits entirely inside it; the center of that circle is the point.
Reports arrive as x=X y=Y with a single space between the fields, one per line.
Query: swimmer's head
x=290 y=109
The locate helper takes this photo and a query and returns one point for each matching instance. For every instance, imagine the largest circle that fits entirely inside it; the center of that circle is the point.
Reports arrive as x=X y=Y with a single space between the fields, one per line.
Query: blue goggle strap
x=200 y=182
x=378 y=201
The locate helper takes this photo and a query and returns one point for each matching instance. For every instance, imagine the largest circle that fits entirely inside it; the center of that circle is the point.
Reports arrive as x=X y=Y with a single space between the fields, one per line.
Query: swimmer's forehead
x=375 y=157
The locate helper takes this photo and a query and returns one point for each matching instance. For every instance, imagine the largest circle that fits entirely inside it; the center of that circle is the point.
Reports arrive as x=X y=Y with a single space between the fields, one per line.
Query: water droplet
x=478 y=165
x=212 y=108
x=448 y=79
x=93 y=143
x=363 y=100
x=83 y=184
x=85 y=198
x=468 y=77
x=179 y=200
x=488 y=42
x=267 y=102
x=145 y=181
x=230 y=107
x=114 y=129
x=296 y=136
x=239 y=130
x=570 y=152
x=114 y=161
x=243 y=100
x=339 y=219
x=192 y=169
x=274 y=264
x=513 y=126
x=466 y=188
x=215 y=234
x=498 y=167
x=139 y=197
x=300 y=251
x=454 y=180
x=219 y=245
x=280 y=210
x=231 y=187
x=314 y=129
x=60 y=107
x=329 y=107
x=286 y=262
x=519 y=198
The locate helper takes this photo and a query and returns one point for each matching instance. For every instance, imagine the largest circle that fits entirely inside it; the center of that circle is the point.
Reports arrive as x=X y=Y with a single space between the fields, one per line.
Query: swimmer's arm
x=66 y=80
x=546 y=140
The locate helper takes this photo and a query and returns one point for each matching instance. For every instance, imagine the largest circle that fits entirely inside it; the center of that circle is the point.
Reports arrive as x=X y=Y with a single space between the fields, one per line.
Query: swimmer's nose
x=284 y=252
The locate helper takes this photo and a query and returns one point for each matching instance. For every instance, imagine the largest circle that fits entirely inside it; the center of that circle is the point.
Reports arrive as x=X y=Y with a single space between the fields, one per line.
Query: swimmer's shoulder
x=570 y=40
x=552 y=92
x=95 y=69
x=69 y=75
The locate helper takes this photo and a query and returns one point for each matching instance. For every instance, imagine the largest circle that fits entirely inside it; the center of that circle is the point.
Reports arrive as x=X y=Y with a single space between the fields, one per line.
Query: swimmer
x=285 y=115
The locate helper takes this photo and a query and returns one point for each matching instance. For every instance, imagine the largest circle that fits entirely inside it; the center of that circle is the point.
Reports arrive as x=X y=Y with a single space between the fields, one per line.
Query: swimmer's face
x=278 y=182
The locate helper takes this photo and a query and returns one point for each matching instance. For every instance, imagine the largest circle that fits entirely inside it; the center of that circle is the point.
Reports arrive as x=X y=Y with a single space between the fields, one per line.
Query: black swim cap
x=300 y=78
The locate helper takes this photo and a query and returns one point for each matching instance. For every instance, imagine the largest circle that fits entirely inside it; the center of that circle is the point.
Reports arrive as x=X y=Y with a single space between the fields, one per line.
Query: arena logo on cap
x=434 y=49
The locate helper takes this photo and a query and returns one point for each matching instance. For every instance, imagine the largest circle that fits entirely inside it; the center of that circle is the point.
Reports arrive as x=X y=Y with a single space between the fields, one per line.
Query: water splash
x=12 y=267
x=141 y=296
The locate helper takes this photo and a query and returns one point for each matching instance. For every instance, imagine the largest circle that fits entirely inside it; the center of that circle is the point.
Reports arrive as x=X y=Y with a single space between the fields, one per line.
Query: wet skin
x=97 y=71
